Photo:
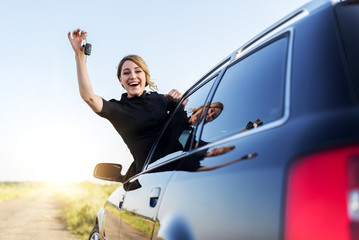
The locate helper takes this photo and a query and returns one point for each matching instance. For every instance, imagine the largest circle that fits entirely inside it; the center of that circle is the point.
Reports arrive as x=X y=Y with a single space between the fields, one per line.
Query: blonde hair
x=213 y=105
x=139 y=62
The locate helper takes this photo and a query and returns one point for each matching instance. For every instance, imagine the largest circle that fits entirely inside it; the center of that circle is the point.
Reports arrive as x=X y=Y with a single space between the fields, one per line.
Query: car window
x=348 y=19
x=251 y=90
x=177 y=136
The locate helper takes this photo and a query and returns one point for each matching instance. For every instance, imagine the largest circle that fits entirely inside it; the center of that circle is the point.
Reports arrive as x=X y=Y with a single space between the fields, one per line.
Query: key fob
x=88 y=48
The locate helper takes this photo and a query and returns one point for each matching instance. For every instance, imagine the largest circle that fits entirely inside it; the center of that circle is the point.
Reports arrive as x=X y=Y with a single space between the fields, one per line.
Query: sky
x=47 y=132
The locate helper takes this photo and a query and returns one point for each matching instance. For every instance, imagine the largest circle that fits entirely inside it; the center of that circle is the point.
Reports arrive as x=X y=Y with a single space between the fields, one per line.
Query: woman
x=139 y=116
x=214 y=111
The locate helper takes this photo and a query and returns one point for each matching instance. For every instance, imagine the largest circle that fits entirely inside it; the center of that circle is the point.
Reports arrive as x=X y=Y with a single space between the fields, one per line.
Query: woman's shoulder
x=112 y=103
x=114 y=100
x=108 y=108
x=155 y=95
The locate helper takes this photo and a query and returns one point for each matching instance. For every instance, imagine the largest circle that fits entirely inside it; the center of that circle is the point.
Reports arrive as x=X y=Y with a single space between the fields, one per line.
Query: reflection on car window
x=251 y=93
x=178 y=134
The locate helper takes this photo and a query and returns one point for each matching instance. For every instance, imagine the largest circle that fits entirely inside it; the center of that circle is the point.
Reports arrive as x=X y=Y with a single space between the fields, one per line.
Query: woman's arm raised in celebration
x=86 y=92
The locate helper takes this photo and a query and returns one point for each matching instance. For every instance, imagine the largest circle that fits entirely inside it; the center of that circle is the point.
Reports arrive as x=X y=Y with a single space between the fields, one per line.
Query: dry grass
x=80 y=202
x=10 y=190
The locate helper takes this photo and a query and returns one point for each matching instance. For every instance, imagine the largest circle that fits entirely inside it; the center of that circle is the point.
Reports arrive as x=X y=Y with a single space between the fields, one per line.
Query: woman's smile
x=133 y=79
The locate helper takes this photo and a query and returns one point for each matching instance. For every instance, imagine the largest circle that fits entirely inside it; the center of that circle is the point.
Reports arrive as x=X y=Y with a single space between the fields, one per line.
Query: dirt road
x=32 y=217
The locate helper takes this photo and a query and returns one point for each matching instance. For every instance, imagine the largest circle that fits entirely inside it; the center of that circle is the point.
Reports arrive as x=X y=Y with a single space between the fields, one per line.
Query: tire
x=95 y=234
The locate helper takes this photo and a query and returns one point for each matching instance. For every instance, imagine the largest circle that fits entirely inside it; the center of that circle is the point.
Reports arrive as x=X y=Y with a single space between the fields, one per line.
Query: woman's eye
x=125 y=73
x=138 y=71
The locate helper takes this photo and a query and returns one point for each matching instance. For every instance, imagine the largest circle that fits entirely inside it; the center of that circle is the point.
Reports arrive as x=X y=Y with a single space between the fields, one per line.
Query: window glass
x=251 y=93
x=348 y=19
x=178 y=133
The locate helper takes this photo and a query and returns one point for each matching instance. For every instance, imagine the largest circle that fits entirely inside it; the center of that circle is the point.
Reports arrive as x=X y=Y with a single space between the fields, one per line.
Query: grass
x=138 y=222
x=79 y=204
x=10 y=190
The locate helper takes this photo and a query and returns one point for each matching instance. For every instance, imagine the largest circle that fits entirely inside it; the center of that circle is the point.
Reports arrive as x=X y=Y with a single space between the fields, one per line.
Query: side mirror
x=109 y=172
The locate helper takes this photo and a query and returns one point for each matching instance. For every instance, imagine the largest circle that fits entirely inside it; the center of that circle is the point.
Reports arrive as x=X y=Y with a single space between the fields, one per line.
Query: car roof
x=270 y=32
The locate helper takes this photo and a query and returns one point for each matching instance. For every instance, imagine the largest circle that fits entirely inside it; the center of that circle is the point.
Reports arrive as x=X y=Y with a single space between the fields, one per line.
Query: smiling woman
x=139 y=116
x=134 y=75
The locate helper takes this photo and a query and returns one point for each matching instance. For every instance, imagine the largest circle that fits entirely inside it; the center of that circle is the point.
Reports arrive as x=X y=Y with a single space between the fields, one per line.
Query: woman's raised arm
x=86 y=92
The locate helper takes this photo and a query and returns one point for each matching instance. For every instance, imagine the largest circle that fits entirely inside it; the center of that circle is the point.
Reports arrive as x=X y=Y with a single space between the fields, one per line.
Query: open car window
x=176 y=138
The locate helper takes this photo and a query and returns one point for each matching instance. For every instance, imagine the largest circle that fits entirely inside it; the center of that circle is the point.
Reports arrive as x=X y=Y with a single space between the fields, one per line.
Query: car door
x=143 y=192
x=113 y=211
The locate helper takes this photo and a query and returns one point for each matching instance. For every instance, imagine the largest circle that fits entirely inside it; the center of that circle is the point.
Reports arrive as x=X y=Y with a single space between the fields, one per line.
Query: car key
x=87 y=46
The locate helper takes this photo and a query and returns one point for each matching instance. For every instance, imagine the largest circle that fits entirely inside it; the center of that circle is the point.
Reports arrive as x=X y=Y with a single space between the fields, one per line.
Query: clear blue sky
x=47 y=132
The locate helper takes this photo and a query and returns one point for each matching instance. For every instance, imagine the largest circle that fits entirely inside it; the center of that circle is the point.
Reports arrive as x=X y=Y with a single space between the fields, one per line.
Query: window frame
x=289 y=34
x=192 y=90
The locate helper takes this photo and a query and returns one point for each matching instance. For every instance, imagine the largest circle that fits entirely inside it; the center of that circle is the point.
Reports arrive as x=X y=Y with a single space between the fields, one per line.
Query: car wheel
x=95 y=235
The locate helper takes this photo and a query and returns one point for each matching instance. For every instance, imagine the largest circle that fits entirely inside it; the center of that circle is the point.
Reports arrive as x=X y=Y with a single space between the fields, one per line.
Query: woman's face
x=212 y=114
x=133 y=79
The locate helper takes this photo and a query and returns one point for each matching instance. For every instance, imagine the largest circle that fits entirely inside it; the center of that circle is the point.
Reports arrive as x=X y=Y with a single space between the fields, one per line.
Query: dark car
x=267 y=146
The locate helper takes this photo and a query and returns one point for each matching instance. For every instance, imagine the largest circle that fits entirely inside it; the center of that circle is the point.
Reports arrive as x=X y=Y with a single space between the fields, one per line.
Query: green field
x=79 y=204
x=10 y=190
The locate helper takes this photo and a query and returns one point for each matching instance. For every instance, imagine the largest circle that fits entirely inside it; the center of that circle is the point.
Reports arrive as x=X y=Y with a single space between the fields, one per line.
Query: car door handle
x=155 y=194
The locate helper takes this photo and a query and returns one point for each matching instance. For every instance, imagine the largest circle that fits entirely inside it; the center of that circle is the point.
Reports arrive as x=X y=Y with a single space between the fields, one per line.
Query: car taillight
x=323 y=196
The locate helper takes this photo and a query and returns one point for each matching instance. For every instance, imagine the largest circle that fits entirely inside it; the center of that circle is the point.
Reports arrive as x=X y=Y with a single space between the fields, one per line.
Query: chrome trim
x=165 y=162
x=271 y=32
x=215 y=70
x=288 y=20
x=100 y=220
x=286 y=114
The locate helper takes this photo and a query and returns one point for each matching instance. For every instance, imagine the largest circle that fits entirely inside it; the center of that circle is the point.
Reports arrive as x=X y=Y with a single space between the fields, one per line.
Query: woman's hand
x=252 y=124
x=176 y=96
x=86 y=92
x=78 y=36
